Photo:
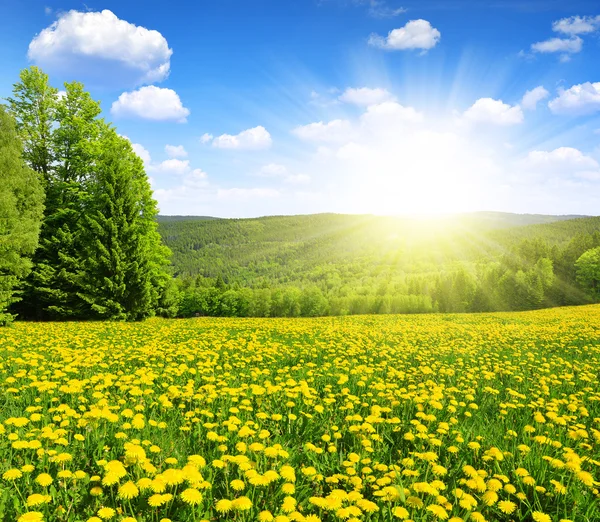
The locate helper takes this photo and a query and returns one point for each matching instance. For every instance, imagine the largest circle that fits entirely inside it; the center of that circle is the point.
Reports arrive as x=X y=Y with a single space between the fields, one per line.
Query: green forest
x=348 y=264
x=81 y=238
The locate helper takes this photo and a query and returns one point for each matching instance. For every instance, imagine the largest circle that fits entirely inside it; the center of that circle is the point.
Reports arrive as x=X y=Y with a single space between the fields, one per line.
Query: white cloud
x=273 y=170
x=365 y=96
x=416 y=34
x=488 y=110
x=172 y=166
x=335 y=130
x=378 y=118
x=150 y=103
x=563 y=161
x=141 y=152
x=577 y=25
x=583 y=98
x=206 y=137
x=197 y=178
x=389 y=114
x=277 y=171
x=559 y=45
x=247 y=193
x=379 y=9
x=250 y=139
x=176 y=151
x=531 y=98
x=96 y=43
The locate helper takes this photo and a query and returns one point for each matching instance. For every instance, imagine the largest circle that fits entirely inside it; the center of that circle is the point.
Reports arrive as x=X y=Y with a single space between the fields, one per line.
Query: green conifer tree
x=124 y=272
x=21 y=210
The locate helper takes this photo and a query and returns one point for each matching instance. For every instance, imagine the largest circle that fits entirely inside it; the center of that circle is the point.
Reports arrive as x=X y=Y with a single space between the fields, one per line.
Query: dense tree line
x=335 y=264
x=78 y=184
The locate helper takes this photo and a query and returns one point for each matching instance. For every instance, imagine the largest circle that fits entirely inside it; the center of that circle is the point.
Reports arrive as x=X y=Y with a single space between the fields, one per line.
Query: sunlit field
x=440 y=417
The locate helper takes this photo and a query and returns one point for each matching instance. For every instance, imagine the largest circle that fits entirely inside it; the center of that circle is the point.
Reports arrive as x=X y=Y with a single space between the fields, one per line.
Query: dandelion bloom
x=400 y=512
x=36 y=499
x=538 y=516
x=242 y=504
x=12 y=474
x=106 y=513
x=31 y=516
x=191 y=496
x=43 y=479
x=265 y=516
x=159 y=500
x=438 y=511
x=507 y=507
x=238 y=485
x=128 y=491
x=224 y=506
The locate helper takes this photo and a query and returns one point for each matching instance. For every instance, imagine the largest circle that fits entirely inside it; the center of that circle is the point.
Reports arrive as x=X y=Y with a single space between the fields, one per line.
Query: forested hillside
x=328 y=263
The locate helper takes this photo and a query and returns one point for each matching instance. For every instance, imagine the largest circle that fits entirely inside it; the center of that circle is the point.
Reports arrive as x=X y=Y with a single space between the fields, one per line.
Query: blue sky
x=248 y=108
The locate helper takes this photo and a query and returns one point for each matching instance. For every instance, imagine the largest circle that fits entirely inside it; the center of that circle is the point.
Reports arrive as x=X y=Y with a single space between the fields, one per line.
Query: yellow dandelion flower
x=241 y=504
x=44 y=480
x=438 y=511
x=507 y=507
x=31 y=516
x=238 y=485
x=12 y=474
x=191 y=496
x=400 y=512
x=106 y=513
x=224 y=506
x=36 y=499
x=128 y=491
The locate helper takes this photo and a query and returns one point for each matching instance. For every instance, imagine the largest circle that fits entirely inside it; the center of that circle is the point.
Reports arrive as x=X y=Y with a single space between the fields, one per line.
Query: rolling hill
x=484 y=260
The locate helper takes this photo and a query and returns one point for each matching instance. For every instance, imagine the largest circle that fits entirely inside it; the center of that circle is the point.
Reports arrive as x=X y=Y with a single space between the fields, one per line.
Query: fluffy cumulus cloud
x=206 y=138
x=150 y=103
x=333 y=131
x=251 y=139
x=388 y=115
x=365 y=96
x=566 y=161
x=96 y=43
x=175 y=151
x=140 y=150
x=242 y=194
x=416 y=34
x=281 y=172
x=570 y=43
x=496 y=112
x=566 y=46
x=577 y=25
x=579 y=99
x=532 y=97
x=172 y=166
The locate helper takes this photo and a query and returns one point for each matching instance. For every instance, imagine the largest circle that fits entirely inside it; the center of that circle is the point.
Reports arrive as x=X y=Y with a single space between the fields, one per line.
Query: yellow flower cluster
x=419 y=418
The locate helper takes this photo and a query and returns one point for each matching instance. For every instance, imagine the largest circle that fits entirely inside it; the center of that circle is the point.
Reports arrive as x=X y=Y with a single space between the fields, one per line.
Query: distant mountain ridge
x=287 y=247
x=509 y=219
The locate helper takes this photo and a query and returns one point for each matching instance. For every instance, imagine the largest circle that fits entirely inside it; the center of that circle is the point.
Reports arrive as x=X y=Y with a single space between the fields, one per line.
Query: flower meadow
x=477 y=418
